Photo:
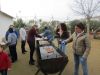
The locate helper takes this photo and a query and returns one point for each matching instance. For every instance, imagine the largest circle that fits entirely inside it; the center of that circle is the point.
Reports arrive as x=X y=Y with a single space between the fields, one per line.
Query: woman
x=63 y=35
x=12 y=39
x=81 y=48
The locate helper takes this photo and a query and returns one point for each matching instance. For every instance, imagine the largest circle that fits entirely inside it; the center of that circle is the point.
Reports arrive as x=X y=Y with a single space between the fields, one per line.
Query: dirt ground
x=21 y=67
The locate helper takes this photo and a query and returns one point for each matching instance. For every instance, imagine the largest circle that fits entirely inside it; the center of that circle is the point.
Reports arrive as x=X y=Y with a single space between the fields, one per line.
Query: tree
x=19 y=23
x=94 y=25
x=86 y=8
x=31 y=22
x=72 y=25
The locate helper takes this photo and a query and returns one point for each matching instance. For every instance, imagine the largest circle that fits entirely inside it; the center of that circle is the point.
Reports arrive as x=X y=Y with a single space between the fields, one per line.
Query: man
x=31 y=42
x=23 y=36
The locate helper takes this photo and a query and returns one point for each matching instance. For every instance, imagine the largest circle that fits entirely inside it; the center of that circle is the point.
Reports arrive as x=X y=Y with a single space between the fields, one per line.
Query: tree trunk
x=88 y=26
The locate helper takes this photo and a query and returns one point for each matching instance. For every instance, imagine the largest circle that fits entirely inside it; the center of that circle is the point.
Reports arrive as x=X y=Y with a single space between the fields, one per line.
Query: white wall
x=5 y=22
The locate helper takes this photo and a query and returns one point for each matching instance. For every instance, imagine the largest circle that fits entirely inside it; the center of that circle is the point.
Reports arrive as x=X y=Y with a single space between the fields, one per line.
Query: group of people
x=81 y=44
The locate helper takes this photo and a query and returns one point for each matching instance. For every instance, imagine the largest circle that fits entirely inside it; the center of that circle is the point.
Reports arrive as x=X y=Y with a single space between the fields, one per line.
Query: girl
x=63 y=33
x=5 y=62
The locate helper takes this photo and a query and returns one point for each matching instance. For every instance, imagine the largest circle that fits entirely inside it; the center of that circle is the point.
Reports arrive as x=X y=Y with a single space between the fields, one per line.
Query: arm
x=70 y=39
x=6 y=36
x=9 y=39
x=88 y=47
x=37 y=35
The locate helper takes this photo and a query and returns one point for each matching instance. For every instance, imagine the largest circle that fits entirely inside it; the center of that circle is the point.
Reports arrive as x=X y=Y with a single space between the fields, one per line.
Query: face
x=78 y=30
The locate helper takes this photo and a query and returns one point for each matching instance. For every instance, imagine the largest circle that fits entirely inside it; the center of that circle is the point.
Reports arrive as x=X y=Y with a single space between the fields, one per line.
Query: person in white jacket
x=23 y=36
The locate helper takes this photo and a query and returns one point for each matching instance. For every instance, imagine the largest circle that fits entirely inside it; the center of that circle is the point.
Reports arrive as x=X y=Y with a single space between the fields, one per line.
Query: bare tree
x=86 y=8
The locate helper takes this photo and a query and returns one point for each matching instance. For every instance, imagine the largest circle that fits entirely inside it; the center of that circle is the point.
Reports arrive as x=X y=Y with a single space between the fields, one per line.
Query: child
x=5 y=62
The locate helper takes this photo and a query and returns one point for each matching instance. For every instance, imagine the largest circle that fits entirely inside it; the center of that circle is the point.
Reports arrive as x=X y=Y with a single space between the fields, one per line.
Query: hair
x=45 y=27
x=63 y=26
x=65 y=30
x=81 y=26
x=1 y=46
x=10 y=30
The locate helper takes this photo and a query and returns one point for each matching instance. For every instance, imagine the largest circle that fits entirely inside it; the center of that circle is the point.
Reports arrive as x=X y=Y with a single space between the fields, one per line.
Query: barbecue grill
x=50 y=59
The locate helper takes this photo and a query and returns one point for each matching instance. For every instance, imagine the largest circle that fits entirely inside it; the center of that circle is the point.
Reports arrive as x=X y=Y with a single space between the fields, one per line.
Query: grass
x=21 y=67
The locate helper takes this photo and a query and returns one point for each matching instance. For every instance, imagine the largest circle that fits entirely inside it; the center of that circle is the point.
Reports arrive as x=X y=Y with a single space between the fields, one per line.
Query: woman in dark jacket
x=63 y=33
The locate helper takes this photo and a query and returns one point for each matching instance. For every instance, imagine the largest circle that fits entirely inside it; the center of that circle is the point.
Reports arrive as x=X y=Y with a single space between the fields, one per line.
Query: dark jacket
x=65 y=35
x=32 y=34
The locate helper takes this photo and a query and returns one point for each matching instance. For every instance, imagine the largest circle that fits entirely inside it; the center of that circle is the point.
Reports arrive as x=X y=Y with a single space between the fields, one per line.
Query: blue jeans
x=62 y=47
x=3 y=72
x=77 y=61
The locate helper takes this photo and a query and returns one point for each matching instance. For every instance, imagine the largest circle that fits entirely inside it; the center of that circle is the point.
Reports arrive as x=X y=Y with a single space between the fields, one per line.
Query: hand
x=82 y=60
x=9 y=69
x=63 y=42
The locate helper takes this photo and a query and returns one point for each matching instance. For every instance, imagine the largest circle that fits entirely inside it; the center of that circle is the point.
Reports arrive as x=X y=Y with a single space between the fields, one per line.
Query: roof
x=6 y=14
x=96 y=17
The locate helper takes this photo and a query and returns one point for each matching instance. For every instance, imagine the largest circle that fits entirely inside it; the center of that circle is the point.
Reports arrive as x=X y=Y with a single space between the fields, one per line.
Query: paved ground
x=21 y=67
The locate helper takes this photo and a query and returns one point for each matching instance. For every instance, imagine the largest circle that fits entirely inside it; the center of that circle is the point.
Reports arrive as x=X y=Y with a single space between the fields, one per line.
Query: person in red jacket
x=5 y=62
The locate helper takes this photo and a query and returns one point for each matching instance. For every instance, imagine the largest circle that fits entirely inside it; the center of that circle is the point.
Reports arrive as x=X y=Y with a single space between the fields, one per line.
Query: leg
x=11 y=53
x=15 y=53
x=84 y=66
x=76 y=64
x=23 y=46
x=4 y=72
x=32 y=48
x=63 y=48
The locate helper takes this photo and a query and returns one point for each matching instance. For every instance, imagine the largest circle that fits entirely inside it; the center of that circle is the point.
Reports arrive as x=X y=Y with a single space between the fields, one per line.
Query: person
x=12 y=38
x=31 y=42
x=23 y=36
x=5 y=62
x=57 y=36
x=63 y=35
x=57 y=31
x=7 y=33
x=47 y=33
x=81 y=48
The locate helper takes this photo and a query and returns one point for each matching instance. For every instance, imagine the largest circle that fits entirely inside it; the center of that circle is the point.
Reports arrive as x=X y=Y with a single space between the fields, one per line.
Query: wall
x=5 y=22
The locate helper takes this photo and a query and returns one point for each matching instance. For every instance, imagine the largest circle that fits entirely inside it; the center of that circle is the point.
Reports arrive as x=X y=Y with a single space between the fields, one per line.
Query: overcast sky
x=44 y=9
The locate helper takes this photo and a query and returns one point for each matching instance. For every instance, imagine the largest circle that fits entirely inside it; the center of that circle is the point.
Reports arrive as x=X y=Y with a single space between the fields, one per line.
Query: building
x=96 y=18
x=5 y=21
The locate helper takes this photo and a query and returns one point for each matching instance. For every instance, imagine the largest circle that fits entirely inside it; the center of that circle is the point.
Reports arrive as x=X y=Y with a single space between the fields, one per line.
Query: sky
x=39 y=9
